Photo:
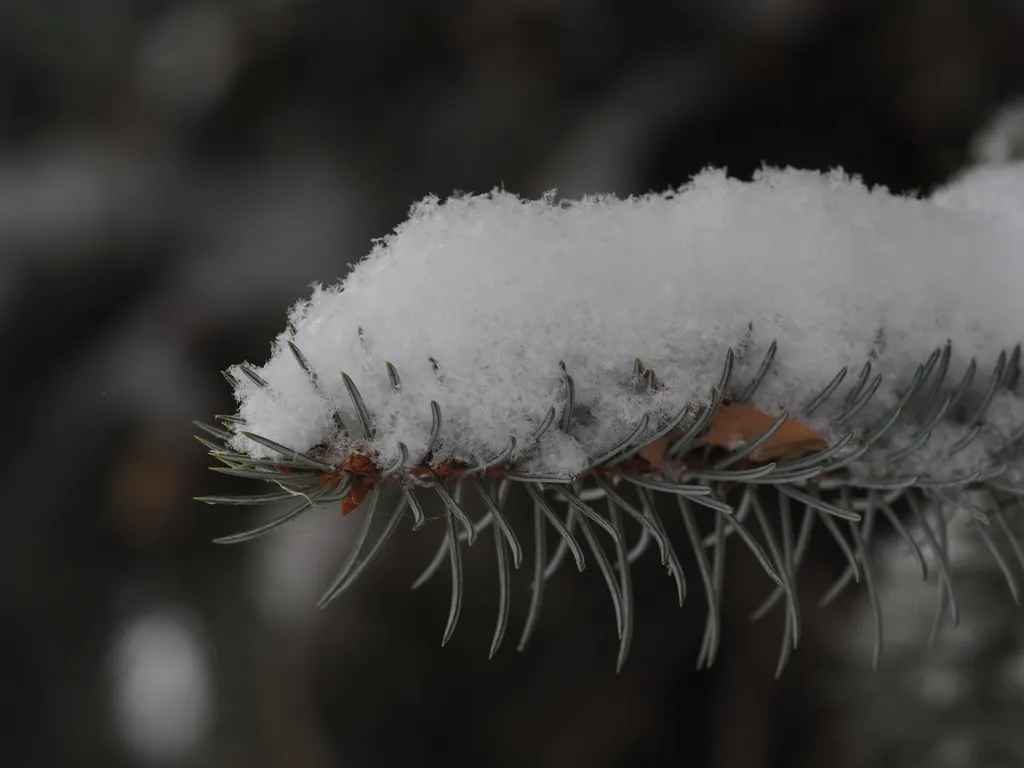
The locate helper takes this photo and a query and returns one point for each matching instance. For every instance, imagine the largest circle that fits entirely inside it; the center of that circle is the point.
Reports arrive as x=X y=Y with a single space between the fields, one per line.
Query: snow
x=498 y=290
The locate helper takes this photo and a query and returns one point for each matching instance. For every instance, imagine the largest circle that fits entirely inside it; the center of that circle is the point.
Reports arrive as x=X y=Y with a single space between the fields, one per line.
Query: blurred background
x=174 y=175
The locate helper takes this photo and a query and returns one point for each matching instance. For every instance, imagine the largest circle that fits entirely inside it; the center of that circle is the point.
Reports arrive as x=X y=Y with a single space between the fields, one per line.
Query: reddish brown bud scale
x=447 y=468
x=359 y=464
x=734 y=425
x=354 y=498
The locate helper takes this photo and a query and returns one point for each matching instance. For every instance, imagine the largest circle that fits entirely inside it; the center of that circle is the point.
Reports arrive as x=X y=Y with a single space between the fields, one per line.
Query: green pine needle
x=872 y=477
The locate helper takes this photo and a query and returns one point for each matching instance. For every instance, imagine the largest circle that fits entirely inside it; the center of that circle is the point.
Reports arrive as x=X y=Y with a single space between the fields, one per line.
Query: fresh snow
x=498 y=290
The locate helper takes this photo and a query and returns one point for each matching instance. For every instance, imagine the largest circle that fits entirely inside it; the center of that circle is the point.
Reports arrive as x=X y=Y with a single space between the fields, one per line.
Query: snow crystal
x=495 y=291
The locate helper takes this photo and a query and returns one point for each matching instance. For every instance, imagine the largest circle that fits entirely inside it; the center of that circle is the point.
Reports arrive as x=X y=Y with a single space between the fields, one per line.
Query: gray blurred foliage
x=172 y=178
x=959 y=704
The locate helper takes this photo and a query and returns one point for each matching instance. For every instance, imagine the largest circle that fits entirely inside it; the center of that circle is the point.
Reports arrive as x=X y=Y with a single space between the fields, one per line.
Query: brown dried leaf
x=654 y=451
x=737 y=424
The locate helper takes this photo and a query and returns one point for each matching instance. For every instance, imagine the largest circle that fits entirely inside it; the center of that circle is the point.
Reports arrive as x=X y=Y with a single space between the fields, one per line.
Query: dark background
x=173 y=176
